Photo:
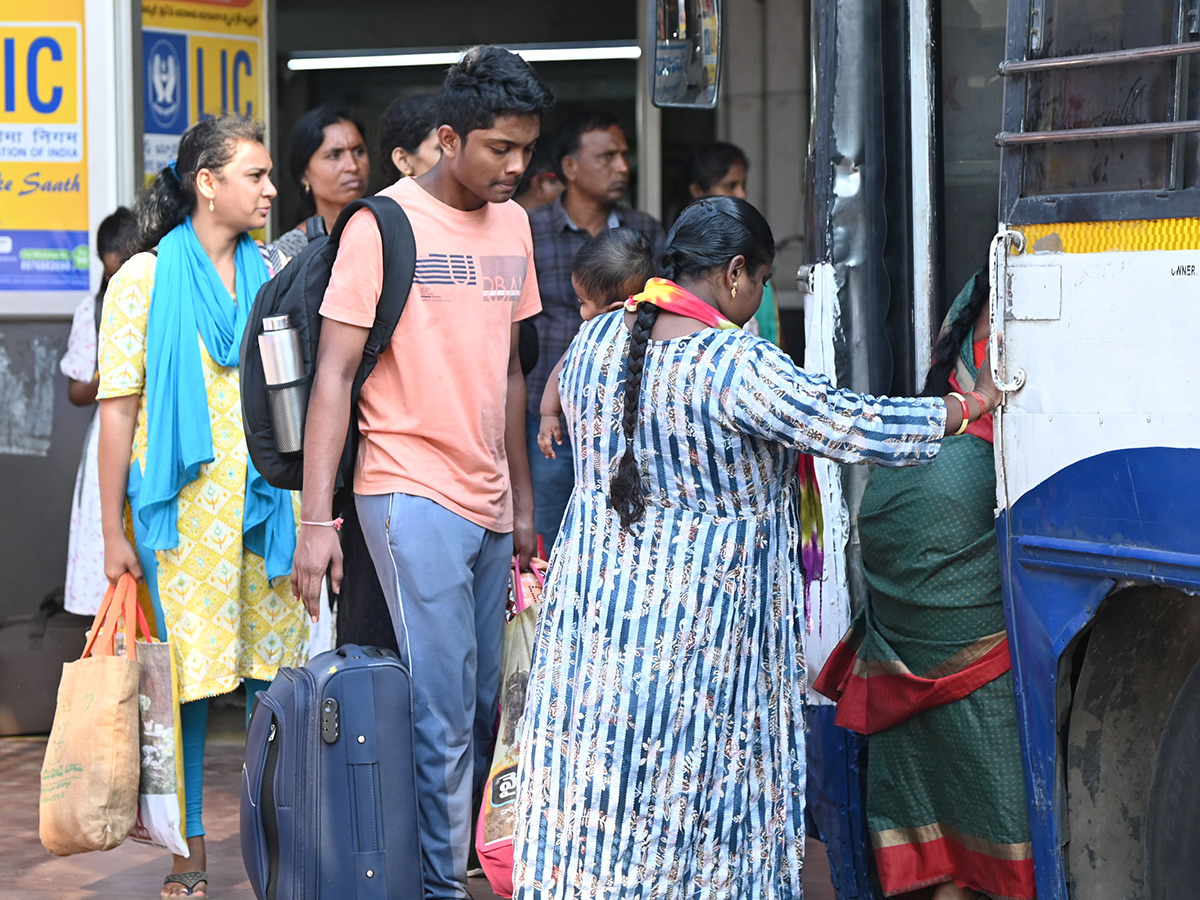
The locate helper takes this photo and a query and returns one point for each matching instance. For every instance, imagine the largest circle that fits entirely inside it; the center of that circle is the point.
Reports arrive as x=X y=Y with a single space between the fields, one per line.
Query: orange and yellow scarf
x=669 y=296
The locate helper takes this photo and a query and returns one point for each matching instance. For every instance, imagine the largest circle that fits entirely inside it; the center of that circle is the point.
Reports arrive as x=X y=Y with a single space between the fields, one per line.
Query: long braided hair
x=625 y=490
x=707 y=235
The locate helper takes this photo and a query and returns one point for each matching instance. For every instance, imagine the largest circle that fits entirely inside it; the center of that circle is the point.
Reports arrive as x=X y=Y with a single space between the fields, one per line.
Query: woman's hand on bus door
x=985 y=385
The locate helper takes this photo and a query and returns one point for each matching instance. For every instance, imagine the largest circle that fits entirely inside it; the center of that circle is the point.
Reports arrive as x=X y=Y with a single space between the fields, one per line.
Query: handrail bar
x=1113 y=57
x=1110 y=132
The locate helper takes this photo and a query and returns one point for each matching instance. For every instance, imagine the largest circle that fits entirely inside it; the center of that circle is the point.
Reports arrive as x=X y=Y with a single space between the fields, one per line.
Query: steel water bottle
x=287 y=393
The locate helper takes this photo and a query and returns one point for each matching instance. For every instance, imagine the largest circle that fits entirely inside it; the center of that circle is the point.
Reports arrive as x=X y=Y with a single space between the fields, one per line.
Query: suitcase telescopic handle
x=348 y=651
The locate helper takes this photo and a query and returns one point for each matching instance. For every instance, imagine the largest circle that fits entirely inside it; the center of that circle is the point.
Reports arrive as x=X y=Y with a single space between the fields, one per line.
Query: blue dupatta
x=189 y=298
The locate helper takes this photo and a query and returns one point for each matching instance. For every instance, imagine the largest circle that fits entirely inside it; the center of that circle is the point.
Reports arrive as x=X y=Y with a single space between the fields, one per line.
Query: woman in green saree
x=925 y=668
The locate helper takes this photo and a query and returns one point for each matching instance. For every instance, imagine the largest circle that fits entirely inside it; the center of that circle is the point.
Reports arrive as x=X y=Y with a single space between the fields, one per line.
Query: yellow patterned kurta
x=225 y=619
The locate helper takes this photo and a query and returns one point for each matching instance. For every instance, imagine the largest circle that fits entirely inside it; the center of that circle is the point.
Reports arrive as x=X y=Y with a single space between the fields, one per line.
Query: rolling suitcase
x=329 y=802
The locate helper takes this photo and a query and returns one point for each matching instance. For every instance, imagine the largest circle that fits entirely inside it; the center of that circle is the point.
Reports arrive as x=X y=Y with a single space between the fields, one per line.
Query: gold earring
x=211 y=207
x=733 y=291
x=307 y=188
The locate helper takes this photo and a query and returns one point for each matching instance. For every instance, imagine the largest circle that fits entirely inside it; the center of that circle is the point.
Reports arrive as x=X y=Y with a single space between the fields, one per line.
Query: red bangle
x=983 y=407
x=966 y=412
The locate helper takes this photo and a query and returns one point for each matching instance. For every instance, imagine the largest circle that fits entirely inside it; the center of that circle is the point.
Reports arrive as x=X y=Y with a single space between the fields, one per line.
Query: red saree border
x=935 y=854
x=871 y=697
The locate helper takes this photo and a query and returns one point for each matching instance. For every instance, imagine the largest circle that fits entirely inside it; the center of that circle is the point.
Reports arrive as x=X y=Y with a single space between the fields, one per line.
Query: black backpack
x=297 y=292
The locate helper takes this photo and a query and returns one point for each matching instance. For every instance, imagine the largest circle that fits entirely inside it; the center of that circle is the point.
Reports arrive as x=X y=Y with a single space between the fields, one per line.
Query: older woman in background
x=328 y=163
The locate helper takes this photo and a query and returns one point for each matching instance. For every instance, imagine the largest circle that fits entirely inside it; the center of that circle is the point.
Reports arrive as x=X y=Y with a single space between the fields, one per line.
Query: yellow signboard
x=202 y=58
x=41 y=73
x=239 y=18
x=43 y=148
x=226 y=77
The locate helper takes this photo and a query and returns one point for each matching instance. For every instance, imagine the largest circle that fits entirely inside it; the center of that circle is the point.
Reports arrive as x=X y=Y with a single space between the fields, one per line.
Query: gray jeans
x=446 y=581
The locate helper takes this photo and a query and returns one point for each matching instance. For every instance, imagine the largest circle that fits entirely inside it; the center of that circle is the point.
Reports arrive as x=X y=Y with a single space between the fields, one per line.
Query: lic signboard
x=201 y=58
x=43 y=150
x=41 y=90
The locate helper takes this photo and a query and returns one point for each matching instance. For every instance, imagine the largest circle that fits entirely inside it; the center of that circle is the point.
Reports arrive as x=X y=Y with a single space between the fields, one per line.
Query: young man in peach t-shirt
x=442 y=484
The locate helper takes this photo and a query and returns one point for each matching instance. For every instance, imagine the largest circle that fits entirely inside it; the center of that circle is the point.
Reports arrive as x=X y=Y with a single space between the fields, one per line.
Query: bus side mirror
x=685 y=53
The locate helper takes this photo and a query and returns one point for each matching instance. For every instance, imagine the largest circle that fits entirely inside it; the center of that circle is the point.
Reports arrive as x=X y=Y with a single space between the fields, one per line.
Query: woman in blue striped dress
x=663 y=741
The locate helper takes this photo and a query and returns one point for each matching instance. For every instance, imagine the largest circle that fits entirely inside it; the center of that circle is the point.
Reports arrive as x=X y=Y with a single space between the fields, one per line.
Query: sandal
x=188 y=879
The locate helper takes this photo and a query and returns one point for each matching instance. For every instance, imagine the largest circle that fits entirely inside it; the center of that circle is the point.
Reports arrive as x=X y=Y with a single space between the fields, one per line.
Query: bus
x=1095 y=277
x=1055 y=143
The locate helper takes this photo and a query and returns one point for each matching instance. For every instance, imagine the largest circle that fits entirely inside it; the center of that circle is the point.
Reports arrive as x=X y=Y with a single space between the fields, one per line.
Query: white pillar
x=649 y=123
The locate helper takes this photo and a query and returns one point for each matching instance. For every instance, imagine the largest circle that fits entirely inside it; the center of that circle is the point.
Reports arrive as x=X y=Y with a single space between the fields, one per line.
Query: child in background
x=612 y=266
x=85 y=548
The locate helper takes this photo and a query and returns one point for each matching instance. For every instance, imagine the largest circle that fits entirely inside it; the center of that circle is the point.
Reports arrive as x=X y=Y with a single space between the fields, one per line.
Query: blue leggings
x=193 y=720
x=193 y=716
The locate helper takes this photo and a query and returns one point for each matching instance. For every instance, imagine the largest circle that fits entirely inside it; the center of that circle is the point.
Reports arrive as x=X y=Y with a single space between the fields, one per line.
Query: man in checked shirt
x=592 y=160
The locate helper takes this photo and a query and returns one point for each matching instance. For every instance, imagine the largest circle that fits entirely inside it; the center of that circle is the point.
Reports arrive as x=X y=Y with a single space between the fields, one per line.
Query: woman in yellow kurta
x=214 y=542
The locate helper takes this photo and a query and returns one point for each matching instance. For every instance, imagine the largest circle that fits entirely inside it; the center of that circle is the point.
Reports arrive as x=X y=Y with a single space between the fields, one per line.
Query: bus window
x=1140 y=79
x=972 y=45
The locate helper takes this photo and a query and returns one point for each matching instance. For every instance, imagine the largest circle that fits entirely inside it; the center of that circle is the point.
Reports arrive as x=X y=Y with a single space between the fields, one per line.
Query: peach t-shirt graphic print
x=501 y=277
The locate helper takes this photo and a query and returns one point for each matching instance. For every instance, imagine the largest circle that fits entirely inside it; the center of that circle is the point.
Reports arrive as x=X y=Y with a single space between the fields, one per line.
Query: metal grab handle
x=1105 y=132
x=1083 y=60
x=998 y=254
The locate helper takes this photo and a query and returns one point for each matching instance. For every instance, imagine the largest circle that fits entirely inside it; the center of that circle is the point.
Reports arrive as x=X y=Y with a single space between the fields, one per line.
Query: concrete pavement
x=133 y=871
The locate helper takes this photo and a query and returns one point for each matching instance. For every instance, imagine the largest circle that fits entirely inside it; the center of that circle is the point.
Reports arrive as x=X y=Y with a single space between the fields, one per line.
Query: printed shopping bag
x=161 y=808
x=89 y=788
x=498 y=814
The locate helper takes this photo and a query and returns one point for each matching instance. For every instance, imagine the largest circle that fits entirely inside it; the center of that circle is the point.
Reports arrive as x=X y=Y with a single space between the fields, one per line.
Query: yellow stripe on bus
x=1098 y=237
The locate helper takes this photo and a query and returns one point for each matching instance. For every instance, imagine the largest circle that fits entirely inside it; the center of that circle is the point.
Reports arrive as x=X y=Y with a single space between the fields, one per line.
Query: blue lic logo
x=166 y=83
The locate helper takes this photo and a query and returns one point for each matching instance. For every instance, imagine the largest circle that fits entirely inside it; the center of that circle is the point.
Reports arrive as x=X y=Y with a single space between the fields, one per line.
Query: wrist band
x=335 y=524
x=983 y=407
x=966 y=412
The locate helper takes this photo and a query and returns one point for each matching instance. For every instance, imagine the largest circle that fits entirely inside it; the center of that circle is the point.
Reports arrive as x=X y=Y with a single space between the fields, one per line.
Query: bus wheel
x=1143 y=644
x=1173 y=805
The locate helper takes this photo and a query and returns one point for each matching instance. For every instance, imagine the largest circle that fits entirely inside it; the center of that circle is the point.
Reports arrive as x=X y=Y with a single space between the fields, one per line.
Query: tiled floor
x=133 y=871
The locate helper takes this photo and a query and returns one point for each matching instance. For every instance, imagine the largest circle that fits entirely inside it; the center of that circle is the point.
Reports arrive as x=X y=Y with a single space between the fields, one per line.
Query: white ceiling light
x=592 y=50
